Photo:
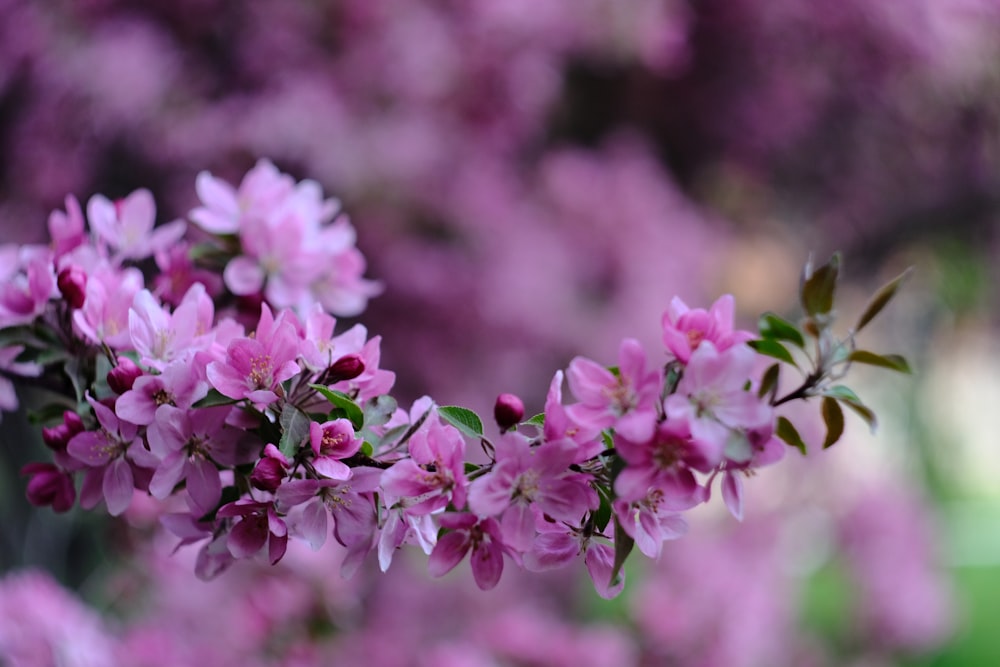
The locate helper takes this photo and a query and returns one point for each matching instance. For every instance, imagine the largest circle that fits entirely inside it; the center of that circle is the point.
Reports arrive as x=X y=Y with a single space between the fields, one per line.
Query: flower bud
x=49 y=486
x=58 y=437
x=508 y=411
x=72 y=282
x=347 y=367
x=123 y=376
x=267 y=475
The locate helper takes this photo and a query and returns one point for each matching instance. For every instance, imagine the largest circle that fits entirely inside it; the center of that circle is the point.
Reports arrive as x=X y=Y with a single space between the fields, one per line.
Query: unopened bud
x=58 y=437
x=508 y=411
x=49 y=486
x=267 y=475
x=72 y=282
x=347 y=367
x=123 y=376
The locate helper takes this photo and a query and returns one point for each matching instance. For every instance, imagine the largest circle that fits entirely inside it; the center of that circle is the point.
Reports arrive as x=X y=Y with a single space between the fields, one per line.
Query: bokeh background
x=533 y=180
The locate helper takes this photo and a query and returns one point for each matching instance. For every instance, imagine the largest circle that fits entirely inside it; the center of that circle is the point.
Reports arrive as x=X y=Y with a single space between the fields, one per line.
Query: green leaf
x=818 y=287
x=73 y=370
x=213 y=398
x=891 y=361
x=341 y=400
x=851 y=400
x=623 y=547
x=294 y=429
x=602 y=516
x=834 y=418
x=538 y=420
x=769 y=383
x=51 y=413
x=465 y=420
x=379 y=410
x=367 y=449
x=773 y=348
x=775 y=328
x=785 y=430
x=881 y=297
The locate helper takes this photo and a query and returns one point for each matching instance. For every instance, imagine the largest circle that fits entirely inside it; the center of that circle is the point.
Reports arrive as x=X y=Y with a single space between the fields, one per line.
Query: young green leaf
x=465 y=420
x=773 y=327
x=881 y=297
x=785 y=430
x=818 y=287
x=773 y=348
x=769 y=383
x=891 y=361
x=834 y=418
x=341 y=400
x=851 y=400
x=538 y=420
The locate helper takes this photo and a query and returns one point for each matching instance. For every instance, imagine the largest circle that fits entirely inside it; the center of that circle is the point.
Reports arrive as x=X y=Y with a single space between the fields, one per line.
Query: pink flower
x=177 y=385
x=126 y=225
x=161 y=337
x=255 y=367
x=332 y=441
x=526 y=478
x=259 y=525
x=626 y=400
x=663 y=464
x=26 y=288
x=560 y=428
x=465 y=533
x=649 y=523
x=189 y=444
x=711 y=397
x=224 y=209
x=66 y=229
x=111 y=456
x=684 y=329
x=105 y=313
x=433 y=476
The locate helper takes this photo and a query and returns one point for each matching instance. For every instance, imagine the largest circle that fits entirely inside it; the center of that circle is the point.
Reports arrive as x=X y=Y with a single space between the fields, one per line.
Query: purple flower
x=433 y=476
x=259 y=525
x=465 y=533
x=332 y=441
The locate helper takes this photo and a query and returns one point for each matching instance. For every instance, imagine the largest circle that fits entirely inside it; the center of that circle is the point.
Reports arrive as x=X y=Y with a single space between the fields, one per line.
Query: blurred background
x=534 y=180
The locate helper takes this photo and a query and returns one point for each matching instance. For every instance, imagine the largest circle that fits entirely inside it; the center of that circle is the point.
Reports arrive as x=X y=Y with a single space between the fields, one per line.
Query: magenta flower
x=684 y=329
x=66 y=229
x=254 y=367
x=433 y=476
x=259 y=525
x=649 y=523
x=332 y=441
x=26 y=284
x=465 y=533
x=224 y=209
x=49 y=485
x=349 y=503
x=664 y=464
x=110 y=454
x=189 y=444
x=177 y=385
x=626 y=400
x=526 y=478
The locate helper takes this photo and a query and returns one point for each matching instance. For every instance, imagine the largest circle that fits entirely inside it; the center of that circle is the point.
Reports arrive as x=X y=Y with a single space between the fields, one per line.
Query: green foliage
x=465 y=420
x=342 y=401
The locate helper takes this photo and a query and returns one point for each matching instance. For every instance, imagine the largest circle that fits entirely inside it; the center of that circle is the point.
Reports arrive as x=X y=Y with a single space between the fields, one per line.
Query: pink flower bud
x=267 y=475
x=72 y=282
x=508 y=411
x=49 y=486
x=57 y=437
x=347 y=367
x=123 y=376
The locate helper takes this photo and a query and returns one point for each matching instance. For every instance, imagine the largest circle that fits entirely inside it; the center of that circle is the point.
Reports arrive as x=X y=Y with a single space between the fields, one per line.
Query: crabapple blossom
x=685 y=328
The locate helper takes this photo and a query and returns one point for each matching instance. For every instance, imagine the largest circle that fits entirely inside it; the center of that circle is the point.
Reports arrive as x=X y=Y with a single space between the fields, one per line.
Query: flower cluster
x=251 y=435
